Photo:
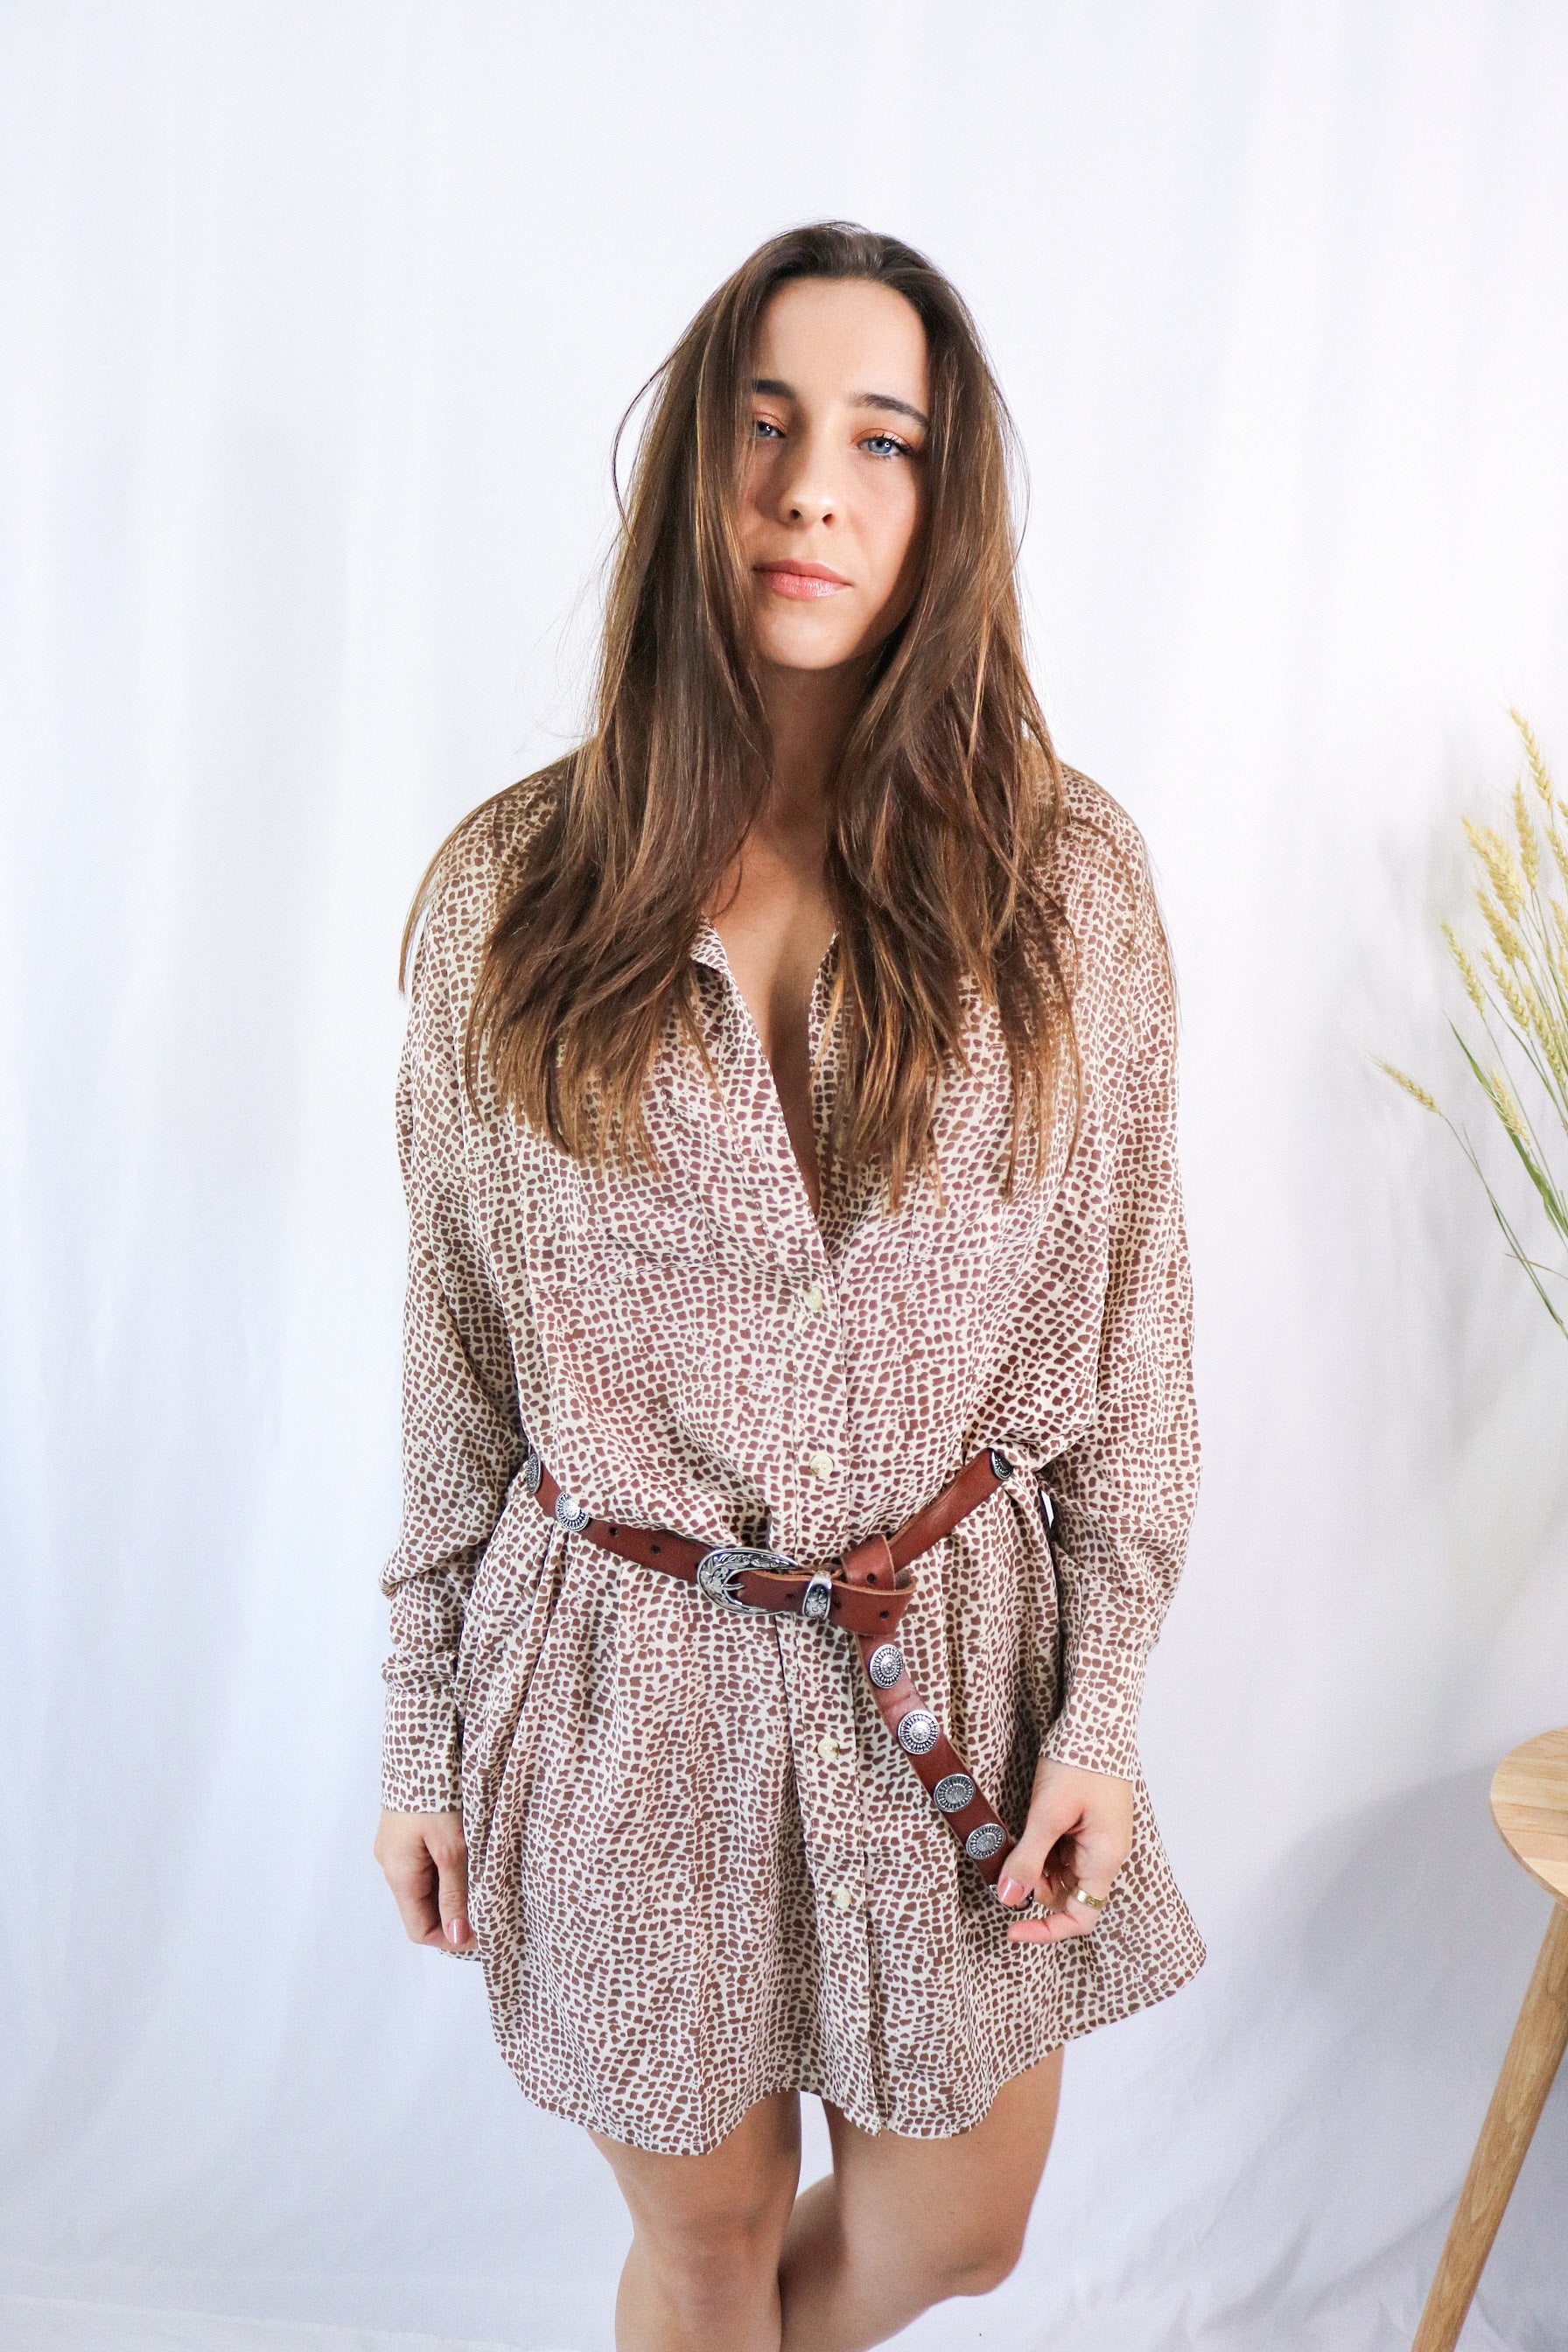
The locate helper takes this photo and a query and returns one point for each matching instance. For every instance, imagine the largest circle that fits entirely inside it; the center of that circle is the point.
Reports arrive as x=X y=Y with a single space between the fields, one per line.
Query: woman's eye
x=892 y=447
x=760 y=425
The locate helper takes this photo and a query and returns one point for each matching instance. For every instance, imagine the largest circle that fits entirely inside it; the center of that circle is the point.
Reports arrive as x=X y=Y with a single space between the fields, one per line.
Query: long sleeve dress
x=701 y=1869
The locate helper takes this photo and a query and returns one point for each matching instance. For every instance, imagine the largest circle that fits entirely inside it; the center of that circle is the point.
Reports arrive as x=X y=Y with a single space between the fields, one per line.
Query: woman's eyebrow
x=886 y=400
x=774 y=387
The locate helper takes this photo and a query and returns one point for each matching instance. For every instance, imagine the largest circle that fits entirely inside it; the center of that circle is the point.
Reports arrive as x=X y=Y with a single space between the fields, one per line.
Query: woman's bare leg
x=901 y=2224
x=707 y=2230
x=721 y=2262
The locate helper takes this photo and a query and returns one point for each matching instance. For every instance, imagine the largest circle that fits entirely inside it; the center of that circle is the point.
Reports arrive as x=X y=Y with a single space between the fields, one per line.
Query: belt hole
x=872 y=1579
x=884 y=1613
x=658 y=1546
x=615 y=1530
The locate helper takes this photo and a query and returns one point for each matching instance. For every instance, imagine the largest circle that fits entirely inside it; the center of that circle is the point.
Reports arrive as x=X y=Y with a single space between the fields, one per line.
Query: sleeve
x=1122 y=1497
x=462 y=1439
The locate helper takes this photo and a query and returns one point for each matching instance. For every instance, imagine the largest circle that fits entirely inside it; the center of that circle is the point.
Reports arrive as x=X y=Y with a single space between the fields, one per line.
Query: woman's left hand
x=1079 y=1833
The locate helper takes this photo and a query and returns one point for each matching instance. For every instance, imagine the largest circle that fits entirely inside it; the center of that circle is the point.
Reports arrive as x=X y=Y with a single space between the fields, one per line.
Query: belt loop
x=818 y=1599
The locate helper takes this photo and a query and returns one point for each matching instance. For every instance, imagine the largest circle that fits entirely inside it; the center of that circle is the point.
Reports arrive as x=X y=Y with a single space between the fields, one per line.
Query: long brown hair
x=945 y=803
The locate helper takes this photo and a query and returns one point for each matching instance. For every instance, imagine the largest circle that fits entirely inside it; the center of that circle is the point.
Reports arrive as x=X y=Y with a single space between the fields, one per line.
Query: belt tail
x=947 y=1778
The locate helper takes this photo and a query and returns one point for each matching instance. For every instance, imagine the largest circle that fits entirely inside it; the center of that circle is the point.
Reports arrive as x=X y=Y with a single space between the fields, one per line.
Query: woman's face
x=834 y=498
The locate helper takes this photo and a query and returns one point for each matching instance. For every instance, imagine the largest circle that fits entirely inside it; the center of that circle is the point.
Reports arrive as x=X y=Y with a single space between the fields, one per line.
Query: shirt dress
x=701 y=1869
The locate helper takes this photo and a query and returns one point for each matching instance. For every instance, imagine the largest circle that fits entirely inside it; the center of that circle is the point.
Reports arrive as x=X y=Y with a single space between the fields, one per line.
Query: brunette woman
x=799 y=1435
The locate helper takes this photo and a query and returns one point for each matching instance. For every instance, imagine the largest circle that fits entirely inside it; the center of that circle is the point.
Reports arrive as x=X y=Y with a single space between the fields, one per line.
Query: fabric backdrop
x=317 y=324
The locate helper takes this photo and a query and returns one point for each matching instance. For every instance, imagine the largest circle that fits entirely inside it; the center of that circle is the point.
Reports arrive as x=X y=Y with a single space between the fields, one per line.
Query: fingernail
x=452 y=1930
x=1010 y=1890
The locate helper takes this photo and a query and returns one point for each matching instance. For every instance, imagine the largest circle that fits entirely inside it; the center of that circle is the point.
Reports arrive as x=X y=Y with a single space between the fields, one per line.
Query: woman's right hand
x=425 y=1863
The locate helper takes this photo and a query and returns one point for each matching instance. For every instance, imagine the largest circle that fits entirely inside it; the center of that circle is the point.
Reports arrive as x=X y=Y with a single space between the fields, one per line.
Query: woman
x=787 y=1122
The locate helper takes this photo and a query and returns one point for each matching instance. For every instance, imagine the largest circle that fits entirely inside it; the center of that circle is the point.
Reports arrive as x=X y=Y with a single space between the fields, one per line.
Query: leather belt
x=865 y=1593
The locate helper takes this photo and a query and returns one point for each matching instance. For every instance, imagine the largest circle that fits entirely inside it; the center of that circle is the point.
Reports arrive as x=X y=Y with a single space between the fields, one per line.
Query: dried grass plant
x=1521 y=891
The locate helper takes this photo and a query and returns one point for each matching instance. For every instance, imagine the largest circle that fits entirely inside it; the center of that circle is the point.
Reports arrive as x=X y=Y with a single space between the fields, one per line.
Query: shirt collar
x=708 y=947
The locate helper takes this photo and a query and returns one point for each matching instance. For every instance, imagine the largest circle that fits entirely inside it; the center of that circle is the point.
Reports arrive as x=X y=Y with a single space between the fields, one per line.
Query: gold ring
x=1082 y=1895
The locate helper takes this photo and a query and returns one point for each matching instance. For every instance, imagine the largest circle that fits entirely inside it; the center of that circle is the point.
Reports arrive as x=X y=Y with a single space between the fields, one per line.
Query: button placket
x=807 y=1515
x=819 y=1406
x=820 y=1668
x=827 y=1782
x=818 y=1664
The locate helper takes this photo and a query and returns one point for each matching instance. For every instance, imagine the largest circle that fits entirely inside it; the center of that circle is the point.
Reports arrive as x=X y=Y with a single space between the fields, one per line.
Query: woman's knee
x=980 y=2264
x=709 y=2224
x=707 y=2265
x=946 y=2264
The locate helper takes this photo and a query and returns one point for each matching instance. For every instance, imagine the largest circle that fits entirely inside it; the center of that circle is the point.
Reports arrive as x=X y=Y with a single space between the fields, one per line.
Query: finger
x=1091 y=1860
x=1052 y=1817
x=1056 y=1875
x=415 y=1850
x=450 y=1855
x=1057 y=1911
x=1098 y=1850
x=1069 y=1916
x=1061 y=1873
x=1086 y=1913
x=411 y=1876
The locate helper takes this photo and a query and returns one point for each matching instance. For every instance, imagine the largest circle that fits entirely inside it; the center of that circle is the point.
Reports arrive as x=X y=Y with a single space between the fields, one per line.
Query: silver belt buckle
x=719 y=1574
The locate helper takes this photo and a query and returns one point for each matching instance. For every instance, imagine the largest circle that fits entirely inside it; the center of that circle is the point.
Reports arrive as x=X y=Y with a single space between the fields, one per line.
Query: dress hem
x=809 y=2080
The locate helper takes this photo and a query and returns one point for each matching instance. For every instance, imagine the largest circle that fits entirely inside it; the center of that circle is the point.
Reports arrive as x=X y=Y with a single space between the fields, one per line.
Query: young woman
x=799 y=1437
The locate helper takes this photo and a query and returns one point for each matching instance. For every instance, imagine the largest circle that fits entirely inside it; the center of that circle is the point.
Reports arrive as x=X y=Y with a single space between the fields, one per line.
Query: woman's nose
x=807 y=493
x=809 y=504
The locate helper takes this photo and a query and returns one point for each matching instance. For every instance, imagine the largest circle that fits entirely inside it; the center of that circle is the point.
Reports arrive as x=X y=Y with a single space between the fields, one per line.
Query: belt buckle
x=719 y=1574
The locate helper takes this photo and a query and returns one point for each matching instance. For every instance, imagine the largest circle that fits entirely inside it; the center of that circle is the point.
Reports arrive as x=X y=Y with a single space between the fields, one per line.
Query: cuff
x=421 y=1751
x=1096 y=1727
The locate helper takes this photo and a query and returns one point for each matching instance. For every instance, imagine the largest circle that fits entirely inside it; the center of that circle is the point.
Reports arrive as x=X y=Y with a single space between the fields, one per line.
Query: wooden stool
x=1530 y=1806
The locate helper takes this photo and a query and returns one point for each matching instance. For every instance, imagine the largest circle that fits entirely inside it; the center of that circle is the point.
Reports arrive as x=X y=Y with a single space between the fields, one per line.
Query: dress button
x=821 y=1464
x=827 y=1747
x=811 y=1298
x=843 y=1895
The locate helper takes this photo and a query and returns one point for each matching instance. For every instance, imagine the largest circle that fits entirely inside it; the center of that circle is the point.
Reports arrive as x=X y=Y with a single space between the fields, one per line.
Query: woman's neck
x=810 y=712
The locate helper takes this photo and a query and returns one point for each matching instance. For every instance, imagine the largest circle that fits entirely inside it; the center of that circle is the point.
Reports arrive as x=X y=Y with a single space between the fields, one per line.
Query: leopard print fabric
x=701 y=1871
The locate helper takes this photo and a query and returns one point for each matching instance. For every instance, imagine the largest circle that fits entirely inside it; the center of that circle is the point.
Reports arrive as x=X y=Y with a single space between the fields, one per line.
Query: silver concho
x=885 y=1664
x=953 y=1791
x=983 y=1842
x=532 y=1471
x=917 y=1731
x=570 y=1512
x=1001 y=1468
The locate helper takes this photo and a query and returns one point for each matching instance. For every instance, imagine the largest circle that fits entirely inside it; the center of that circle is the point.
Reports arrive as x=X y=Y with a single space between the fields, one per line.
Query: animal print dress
x=701 y=1869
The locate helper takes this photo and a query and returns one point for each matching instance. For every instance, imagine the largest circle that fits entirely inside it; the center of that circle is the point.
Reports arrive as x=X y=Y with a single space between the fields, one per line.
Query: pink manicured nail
x=1010 y=1890
x=452 y=1930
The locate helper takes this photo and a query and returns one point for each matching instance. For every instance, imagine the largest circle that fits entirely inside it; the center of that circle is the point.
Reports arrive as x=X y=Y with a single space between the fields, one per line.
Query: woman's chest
x=717 y=1270
x=775 y=960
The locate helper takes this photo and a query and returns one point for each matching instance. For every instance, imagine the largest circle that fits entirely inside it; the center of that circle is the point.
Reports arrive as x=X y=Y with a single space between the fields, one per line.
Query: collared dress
x=701 y=1869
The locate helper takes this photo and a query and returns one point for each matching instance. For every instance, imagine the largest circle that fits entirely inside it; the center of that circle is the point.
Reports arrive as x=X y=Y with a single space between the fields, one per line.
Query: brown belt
x=866 y=1593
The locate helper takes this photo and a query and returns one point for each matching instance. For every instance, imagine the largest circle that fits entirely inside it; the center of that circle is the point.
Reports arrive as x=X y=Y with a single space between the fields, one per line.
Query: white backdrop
x=317 y=322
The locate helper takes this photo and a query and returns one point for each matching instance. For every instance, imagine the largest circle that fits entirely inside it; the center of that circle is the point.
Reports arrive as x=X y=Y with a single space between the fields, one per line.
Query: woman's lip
x=801 y=580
